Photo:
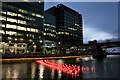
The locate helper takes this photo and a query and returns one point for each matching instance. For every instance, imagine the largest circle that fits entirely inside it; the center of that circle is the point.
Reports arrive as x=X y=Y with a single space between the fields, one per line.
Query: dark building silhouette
x=68 y=25
x=22 y=26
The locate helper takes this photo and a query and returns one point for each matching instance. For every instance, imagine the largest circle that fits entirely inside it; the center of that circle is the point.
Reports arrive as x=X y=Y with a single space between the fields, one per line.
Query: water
x=106 y=68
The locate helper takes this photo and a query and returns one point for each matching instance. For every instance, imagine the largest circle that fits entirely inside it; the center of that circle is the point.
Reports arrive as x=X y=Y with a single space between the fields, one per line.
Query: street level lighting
x=41 y=41
x=15 y=39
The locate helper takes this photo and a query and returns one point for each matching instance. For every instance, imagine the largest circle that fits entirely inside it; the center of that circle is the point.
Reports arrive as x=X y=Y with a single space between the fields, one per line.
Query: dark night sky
x=100 y=19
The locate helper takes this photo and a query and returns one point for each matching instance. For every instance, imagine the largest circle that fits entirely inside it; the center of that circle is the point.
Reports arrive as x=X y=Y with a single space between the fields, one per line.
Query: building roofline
x=50 y=8
x=68 y=8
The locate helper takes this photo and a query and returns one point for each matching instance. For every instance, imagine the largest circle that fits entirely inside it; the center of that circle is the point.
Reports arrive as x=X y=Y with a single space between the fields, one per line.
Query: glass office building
x=68 y=27
x=49 y=42
x=22 y=27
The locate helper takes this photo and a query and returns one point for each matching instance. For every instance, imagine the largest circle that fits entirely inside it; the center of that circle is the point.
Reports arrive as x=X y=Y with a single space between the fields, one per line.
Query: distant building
x=22 y=26
x=68 y=25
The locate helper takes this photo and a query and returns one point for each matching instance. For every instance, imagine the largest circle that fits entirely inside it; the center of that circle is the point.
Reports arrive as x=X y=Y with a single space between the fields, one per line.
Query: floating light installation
x=73 y=70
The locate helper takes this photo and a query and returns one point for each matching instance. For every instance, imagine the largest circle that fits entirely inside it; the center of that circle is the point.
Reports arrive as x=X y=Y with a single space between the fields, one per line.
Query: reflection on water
x=41 y=71
x=106 y=68
x=33 y=67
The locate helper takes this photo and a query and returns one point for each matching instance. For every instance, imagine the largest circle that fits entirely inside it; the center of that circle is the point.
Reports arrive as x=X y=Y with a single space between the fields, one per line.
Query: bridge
x=112 y=48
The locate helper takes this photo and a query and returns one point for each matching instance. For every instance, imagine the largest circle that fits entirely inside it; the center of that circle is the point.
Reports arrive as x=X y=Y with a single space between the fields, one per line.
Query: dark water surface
x=105 y=68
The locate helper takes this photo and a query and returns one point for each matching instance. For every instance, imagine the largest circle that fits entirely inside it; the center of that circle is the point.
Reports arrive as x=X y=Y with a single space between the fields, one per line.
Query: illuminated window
x=73 y=29
x=53 y=30
x=67 y=33
x=2 y=32
x=11 y=26
x=33 y=14
x=37 y=30
x=45 y=24
x=12 y=20
x=11 y=13
x=3 y=25
x=21 y=39
x=4 y=12
x=3 y=18
x=44 y=34
x=60 y=32
x=11 y=32
x=40 y=16
x=32 y=30
x=20 y=34
x=21 y=28
x=33 y=36
x=21 y=22
x=30 y=40
x=19 y=15
x=53 y=26
x=23 y=11
x=77 y=25
x=9 y=38
x=28 y=29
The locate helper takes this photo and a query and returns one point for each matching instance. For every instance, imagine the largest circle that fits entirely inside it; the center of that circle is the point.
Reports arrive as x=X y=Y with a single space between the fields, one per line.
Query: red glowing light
x=73 y=70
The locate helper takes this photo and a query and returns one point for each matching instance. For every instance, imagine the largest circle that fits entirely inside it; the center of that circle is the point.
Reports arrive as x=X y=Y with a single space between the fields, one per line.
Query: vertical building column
x=25 y=48
x=15 y=47
x=34 y=51
x=4 y=48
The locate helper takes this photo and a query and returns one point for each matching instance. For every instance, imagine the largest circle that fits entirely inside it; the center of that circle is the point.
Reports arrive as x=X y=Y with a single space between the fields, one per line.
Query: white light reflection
x=41 y=68
x=52 y=73
x=33 y=67
x=59 y=74
x=60 y=61
x=78 y=59
x=87 y=58
x=15 y=72
x=8 y=73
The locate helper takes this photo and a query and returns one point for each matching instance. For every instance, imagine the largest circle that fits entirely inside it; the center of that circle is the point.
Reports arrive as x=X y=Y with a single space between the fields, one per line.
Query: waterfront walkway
x=23 y=59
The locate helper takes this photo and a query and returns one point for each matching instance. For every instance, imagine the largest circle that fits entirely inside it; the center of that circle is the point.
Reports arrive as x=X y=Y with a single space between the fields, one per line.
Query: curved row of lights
x=73 y=70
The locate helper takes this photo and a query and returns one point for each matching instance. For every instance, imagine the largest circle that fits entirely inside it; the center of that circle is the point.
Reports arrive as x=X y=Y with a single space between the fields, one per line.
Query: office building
x=22 y=27
x=68 y=25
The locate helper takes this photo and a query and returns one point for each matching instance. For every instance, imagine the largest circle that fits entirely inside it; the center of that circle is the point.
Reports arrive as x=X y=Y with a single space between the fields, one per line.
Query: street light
x=41 y=41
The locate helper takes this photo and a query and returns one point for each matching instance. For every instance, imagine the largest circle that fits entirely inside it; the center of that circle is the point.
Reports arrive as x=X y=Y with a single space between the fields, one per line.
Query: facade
x=49 y=42
x=26 y=28
x=22 y=27
x=69 y=26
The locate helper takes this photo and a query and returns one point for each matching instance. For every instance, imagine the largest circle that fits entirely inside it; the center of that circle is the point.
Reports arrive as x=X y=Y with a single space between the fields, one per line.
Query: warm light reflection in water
x=59 y=74
x=106 y=68
x=15 y=74
x=8 y=73
x=53 y=73
x=33 y=68
x=15 y=71
x=41 y=71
